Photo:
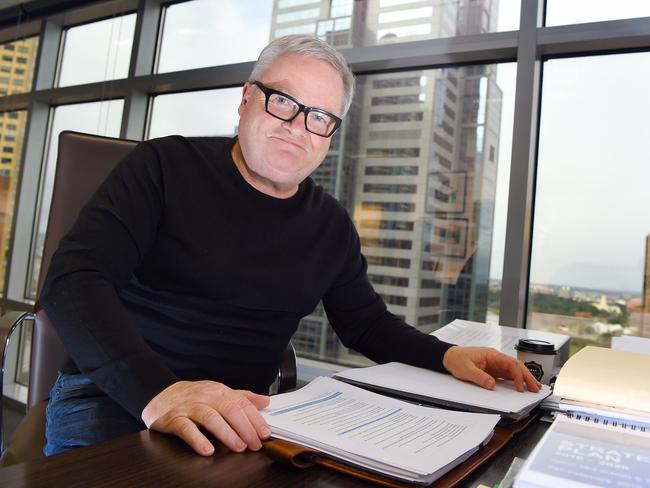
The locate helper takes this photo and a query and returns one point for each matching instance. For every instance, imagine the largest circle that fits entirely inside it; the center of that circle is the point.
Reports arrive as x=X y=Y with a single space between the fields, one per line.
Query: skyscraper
x=16 y=73
x=415 y=162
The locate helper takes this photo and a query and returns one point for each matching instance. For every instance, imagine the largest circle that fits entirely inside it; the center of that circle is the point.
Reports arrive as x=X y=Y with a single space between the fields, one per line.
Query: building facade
x=16 y=74
x=415 y=163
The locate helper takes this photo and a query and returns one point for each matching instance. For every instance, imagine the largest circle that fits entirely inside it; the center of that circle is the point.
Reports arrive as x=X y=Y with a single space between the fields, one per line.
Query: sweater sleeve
x=363 y=323
x=94 y=260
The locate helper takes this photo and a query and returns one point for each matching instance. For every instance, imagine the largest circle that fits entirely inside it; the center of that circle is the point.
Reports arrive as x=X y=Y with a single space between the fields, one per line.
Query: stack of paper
x=381 y=434
x=433 y=388
x=609 y=383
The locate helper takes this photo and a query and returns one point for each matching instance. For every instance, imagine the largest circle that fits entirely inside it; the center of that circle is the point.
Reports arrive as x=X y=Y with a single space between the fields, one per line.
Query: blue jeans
x=80 y=414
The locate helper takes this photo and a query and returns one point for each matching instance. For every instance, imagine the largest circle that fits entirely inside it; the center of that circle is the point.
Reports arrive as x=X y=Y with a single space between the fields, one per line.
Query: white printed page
x=504 y=339
x=372 y=430
x=401 y=377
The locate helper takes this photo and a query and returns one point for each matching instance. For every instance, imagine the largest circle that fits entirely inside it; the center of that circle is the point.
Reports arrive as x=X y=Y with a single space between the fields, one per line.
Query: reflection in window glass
x=410 y=31
x=295 y=3
x=561 y=12
x=17 y=61
x=298 y=15
x=102 y=118
x=203 y=113
x=200 y=33
x=98 y=51
x=590 y=258
x=12 y=132
x=296 y=29
x=400 y=15
x=424 y=204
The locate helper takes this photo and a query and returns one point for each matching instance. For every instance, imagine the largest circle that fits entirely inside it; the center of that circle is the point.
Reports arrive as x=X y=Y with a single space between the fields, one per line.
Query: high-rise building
x=16 y=73
x=415 y=162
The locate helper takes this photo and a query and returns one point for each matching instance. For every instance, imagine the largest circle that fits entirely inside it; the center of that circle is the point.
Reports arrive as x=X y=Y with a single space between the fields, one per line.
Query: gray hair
x=312 y=47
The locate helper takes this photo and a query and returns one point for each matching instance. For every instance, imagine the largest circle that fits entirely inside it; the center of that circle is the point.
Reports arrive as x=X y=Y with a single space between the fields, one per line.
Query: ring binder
x=606 y=421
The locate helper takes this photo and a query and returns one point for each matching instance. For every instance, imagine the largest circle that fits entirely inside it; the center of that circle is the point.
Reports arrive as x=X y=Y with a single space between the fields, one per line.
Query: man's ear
x=245 y=97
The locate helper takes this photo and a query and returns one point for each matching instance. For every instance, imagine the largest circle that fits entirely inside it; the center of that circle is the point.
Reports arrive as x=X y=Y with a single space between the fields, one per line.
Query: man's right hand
x=232 y=416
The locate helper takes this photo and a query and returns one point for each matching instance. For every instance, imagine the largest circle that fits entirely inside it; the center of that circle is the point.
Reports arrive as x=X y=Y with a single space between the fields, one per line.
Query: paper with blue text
x=392 y=437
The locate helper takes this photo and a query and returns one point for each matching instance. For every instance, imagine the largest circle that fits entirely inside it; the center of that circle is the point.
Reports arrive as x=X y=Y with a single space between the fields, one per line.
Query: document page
x=426 y=383
x=504 y=339
x=376 y=431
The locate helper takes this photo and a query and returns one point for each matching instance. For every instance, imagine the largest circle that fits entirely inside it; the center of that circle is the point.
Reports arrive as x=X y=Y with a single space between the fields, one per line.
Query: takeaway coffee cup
x=538 y=356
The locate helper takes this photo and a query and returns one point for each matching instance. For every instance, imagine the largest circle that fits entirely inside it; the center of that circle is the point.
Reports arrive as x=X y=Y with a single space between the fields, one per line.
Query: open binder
x=302 y=457
x=380 y=439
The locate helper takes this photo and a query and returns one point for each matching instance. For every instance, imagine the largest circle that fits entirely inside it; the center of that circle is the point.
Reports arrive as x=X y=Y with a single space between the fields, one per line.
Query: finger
x=480 y=377
x=516 y=373
x=244 y=419
x=531 y=382
x=187 y=430
x=209 y=418
x=260 y=401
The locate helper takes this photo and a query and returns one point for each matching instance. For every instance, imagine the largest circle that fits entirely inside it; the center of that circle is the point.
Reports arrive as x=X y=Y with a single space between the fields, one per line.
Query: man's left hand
x=481 y=365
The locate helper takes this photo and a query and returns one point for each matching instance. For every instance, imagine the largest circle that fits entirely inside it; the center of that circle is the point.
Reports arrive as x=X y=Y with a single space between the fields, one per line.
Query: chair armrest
x=9 y=322
x=287 y=374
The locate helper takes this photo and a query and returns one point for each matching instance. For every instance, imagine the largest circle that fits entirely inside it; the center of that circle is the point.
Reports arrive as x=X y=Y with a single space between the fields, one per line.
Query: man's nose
x=297 y=124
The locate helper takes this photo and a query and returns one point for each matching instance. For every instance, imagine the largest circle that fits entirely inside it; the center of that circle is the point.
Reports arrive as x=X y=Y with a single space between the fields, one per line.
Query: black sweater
x=179 y=269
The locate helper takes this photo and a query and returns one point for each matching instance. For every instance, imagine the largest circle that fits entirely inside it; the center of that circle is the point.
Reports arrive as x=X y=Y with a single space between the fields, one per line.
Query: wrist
x=448 y=358
x=153 y=410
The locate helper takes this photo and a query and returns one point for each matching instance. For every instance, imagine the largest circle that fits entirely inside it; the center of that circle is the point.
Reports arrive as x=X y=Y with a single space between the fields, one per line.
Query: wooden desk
x=152 y=459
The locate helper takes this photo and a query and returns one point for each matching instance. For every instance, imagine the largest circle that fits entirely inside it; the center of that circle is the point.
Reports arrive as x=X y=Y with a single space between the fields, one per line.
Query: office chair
x=84 y=161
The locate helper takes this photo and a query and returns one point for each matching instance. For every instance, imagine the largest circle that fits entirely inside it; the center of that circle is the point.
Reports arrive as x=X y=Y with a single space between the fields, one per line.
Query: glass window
x=589 y=267
x=97 y=51
x=202 y=113
x=341 y=8
x=192 y=37
x=103 y=118
x=12 y=145
x=298 y=15
x=409 y=14
x=561 y=12
x=295 y=3
x=200 y=33
x=426 y=212
x=18 y=80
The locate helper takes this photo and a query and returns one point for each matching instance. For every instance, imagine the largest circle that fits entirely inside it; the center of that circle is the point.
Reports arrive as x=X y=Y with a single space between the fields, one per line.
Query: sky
x=591 y=218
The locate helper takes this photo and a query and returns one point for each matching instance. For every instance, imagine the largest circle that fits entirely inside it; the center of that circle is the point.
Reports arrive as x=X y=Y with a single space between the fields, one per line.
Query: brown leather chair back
x=83 y=162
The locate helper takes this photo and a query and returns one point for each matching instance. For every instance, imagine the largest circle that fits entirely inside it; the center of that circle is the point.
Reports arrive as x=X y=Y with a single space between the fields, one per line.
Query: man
x=185 y=276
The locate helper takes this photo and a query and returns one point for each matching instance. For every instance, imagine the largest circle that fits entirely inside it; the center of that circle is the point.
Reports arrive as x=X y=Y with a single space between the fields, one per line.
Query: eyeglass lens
x=286 y=109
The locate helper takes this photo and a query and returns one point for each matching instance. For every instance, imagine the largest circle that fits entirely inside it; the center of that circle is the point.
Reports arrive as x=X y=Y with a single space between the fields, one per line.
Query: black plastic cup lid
x=536 y=346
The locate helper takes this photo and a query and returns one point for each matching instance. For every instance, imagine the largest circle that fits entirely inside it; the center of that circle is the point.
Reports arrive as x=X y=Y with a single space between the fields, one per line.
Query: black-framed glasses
x=285 y=107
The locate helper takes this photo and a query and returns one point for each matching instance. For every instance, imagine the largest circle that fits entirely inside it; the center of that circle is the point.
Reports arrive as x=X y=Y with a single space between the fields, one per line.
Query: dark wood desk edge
x=152 y=459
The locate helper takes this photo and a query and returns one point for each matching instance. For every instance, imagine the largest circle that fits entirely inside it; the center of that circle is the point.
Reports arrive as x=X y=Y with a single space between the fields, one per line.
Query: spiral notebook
x=580 y=451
